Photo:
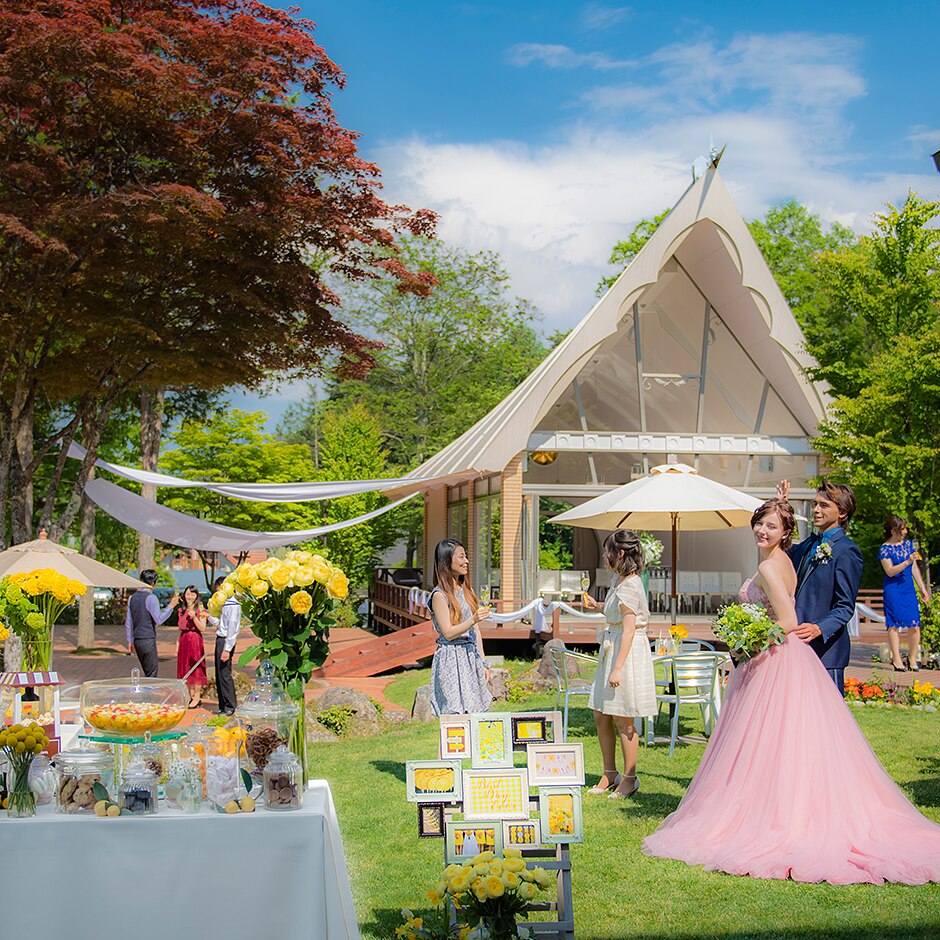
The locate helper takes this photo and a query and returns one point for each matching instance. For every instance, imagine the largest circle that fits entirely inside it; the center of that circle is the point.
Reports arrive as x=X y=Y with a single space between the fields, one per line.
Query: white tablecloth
x=241 y=877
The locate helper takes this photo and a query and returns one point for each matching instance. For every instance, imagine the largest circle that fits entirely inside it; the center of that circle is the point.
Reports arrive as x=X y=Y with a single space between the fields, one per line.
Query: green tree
x=885 y=287
x=885 y=440
x=352 y=448
x=625 y=251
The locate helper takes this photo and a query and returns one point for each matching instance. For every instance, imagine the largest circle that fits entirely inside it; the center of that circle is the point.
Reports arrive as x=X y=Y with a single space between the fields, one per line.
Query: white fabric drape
x=255 y=492
x=541 y=612
x=176 y=528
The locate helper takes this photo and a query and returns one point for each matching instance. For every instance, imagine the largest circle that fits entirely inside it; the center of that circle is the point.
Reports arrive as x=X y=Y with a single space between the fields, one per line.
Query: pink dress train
x=789 y=787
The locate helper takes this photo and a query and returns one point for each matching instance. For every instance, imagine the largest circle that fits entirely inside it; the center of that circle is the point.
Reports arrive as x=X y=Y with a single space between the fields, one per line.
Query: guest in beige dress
x=624 y=685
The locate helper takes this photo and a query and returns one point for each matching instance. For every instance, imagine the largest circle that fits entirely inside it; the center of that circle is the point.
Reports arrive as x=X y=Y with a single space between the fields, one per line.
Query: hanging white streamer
x=541 y=612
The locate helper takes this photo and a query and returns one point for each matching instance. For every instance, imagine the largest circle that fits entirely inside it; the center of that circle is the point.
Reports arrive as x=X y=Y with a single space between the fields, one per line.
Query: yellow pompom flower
x=338 y=585
x=494 y=886
x=280 y=578
x=259 y=588
x=301 y=602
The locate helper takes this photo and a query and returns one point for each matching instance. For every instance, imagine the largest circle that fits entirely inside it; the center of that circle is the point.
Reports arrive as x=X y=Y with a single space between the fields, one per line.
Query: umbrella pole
x=673 y=599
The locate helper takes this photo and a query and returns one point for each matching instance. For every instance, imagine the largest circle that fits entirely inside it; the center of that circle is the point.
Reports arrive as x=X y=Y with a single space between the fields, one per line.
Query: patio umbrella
x=673 y=496
x=41 y=553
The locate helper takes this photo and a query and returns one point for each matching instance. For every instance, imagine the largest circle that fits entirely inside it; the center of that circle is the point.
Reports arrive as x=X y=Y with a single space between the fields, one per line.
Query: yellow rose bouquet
x=289 y=602
x=30 y=603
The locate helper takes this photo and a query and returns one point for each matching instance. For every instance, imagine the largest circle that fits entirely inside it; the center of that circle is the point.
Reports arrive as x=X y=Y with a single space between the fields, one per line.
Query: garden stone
x=542 y=683
x=359 y=702
x=421 y=709
x=362 y=726
x=317 y=734
x=499 y=684
x=394 y=717
x=547 y=670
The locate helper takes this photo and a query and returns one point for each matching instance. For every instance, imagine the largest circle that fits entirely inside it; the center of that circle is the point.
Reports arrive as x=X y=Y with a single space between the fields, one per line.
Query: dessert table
x=236 y=877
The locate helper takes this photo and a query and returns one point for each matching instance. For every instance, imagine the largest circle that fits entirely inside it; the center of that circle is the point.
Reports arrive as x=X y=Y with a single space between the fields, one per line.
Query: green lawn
x=618 y=891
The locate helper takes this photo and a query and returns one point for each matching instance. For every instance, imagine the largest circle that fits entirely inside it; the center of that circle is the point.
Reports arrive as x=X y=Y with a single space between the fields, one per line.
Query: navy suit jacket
x=826 y=596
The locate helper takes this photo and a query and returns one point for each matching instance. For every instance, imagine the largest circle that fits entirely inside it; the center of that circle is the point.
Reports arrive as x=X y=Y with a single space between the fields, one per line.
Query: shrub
x=336 y=718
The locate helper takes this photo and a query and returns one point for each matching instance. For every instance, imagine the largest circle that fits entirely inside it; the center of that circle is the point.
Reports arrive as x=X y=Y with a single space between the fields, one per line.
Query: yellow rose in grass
x=246 y=575
x=280 y=578
x=338 y=585
x=259 y=588
x=303 y=576
x=301 y=602
x=321 y=568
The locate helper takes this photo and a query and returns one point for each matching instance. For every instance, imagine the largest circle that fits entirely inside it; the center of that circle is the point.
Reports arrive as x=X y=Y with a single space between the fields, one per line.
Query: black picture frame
x=432 y=813
x=518 y=742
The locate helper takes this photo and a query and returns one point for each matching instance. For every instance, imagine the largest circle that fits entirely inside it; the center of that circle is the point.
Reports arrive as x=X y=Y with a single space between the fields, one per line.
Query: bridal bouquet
x=747 y=629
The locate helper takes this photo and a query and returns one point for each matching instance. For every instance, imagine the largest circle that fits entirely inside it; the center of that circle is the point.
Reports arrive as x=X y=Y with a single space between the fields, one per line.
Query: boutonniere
x=823 y=553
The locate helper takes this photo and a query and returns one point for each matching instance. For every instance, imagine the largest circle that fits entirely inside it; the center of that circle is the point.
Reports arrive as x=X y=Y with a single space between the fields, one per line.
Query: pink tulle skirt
x=788 y=787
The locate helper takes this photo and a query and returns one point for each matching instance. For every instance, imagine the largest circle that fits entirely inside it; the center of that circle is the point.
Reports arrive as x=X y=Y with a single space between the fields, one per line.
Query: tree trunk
x=151 y=433
x=86 y=605
x=21 y=479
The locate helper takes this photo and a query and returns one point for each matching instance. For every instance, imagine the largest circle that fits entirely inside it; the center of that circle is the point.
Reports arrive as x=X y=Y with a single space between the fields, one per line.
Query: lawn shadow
x=926 y=789
x=880 y=930
x=394 y=768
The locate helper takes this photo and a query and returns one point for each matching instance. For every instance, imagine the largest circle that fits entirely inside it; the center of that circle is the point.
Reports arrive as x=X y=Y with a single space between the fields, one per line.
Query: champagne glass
x=585 y=584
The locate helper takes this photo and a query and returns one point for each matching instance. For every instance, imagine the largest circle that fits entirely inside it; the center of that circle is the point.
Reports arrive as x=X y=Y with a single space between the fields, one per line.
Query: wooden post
x=510 y=530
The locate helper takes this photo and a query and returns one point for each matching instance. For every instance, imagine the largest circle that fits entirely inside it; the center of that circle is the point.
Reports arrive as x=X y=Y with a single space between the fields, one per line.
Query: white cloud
x=554 y=56
x=597 y=16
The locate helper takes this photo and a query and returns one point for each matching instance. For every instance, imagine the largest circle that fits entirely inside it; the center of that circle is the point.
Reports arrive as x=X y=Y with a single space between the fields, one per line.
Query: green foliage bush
x=336 y=718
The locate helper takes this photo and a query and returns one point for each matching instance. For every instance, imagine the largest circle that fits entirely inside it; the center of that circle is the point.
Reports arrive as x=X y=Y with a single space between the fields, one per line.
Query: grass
x=618 y=891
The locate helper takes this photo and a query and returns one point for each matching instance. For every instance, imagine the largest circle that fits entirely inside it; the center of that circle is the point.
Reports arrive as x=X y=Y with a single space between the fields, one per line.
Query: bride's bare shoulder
x=778 y=568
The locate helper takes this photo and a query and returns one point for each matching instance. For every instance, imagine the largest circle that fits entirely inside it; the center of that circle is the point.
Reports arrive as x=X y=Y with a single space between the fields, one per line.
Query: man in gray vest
x=143 y=618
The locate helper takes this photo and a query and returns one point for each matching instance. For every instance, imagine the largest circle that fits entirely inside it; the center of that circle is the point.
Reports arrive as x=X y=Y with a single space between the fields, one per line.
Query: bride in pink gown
x=788 y=786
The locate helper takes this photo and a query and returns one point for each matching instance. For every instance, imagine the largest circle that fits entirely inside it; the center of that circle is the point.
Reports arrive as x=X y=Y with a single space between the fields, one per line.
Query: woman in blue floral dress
x=458 y=673
x=902 y=610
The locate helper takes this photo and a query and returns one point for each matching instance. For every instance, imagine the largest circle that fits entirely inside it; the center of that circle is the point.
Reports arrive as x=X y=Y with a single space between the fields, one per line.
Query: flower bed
x=877 y=691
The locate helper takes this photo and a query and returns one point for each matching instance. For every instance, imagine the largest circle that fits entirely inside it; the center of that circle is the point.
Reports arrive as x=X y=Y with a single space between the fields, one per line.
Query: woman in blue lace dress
x=458 y=673
x=902 y=611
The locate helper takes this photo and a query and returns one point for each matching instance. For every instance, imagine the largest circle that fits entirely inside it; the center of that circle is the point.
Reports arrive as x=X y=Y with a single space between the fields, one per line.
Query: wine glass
x=585 y=584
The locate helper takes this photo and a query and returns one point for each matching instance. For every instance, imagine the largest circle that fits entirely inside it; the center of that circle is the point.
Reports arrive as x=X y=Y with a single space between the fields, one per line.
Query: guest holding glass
x=902 y=610
x=227 y=625
x=624 y=684
x=458 y=672
x=191 y=650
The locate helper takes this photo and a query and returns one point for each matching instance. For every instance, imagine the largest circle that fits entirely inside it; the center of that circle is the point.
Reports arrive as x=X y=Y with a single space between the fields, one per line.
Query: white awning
x=176 y=528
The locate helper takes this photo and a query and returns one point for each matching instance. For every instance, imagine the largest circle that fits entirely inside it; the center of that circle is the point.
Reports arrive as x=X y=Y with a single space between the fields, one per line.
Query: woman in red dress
x=191 y=649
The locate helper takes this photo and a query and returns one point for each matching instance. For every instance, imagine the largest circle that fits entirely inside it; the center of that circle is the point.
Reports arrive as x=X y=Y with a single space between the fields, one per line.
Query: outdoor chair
x=564 y=685
x=693 y=682
x=695 y=646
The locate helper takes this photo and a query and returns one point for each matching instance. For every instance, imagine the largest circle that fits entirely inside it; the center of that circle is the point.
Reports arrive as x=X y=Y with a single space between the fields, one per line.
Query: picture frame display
x=434 y=781
x=491 y=740
x=454 y=737
x=467 y=838
x=431 y=820
x=496 y=793
x=560 y=815
x=522 y=833
x=555 y=764
x=529 y=730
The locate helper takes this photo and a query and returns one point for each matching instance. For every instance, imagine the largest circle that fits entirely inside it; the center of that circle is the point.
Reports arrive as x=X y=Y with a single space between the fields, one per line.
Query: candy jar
x=152 y=756
x=78 y=771
x=197 y=736
x=42 y=780
x=266 y=716
x=183 y=786
x=283 y=780
x=138 y=791
x=223 y=772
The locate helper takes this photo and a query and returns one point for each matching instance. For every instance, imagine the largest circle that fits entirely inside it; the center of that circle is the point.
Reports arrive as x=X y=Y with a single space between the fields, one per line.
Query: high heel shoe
x=618 y=794
x=899 y=668
x=617 y=778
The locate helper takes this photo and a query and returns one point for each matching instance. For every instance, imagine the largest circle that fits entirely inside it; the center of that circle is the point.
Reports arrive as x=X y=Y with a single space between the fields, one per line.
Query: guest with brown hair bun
x=624 y=684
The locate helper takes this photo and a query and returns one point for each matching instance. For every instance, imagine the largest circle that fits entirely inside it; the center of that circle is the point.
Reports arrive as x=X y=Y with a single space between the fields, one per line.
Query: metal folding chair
x=564 y=685
x=693 y=682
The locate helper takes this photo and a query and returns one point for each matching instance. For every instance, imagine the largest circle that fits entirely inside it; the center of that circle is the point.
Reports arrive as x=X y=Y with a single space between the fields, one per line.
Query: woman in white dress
x=624 y=685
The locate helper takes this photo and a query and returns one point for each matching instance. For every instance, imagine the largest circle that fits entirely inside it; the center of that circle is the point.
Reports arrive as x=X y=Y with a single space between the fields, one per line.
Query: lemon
x=247 y=805
x=231 y=806
x=114 y=810
x=101 y=808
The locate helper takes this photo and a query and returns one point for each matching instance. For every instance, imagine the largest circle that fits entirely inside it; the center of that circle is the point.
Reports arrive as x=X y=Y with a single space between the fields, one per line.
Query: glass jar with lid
x=266 y=716
x=283 y=780
x=183 y=786
x=138 y=791
x=42 y=779
x=78 y=771
x=223 y=771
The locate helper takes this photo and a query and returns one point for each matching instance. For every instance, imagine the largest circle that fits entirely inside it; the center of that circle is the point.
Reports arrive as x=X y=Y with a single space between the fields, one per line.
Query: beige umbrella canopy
x=672 y=497
x=41 y=553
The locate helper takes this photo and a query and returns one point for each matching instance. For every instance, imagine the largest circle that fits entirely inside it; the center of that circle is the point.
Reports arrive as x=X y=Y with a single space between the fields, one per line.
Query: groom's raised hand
x=808 y=632
x=783 y=489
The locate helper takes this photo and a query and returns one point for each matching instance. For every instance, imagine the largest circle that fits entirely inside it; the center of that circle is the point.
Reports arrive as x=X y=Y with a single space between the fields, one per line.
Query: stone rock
x=542 y=683
x=362 y=726
x=359 y=702
x=546 y=670
x=395 y=717
x=317 y=734
x=421 y=709
x=499 y=684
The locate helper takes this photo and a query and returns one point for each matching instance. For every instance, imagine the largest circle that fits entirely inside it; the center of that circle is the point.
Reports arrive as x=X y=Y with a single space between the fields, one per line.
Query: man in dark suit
x=829 y=569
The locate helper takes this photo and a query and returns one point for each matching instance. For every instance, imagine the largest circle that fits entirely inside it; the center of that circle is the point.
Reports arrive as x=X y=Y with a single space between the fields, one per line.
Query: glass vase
x=21 y=801
x=498 y=927
x=37 y=653
x=298 y=738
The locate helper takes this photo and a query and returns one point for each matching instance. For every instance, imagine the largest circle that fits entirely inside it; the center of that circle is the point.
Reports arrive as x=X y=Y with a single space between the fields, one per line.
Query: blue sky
x=545 y=131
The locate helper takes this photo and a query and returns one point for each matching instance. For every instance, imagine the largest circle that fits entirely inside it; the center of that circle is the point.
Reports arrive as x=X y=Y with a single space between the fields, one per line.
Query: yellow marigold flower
x=338 y=585
x=77 y=588
x=303 y=576
x=4 y=633
x=280 y=578
x=512 y=853
x=494 y=886
x=527 y=891
x=301 y=602
x=321 y=568
x=245 y=574
x=259 y=588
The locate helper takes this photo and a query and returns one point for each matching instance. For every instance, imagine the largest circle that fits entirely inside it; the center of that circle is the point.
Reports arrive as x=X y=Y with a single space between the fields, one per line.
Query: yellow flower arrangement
x=301 y=602
x=679 y=631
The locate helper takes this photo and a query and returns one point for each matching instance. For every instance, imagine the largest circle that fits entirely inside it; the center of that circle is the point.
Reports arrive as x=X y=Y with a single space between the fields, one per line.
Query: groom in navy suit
x=829 y=569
